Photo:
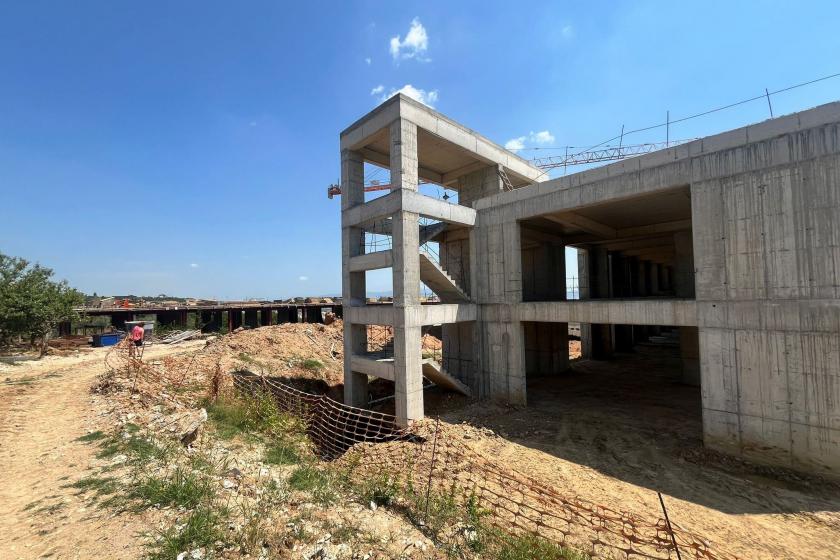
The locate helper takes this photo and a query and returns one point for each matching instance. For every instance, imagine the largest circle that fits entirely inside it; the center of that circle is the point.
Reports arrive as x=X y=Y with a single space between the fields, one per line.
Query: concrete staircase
x=433 y=276
x=437 y=375
x=429 y=231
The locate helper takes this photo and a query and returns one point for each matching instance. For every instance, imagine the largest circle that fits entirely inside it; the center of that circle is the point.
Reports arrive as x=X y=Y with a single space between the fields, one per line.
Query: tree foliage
x=32 y=304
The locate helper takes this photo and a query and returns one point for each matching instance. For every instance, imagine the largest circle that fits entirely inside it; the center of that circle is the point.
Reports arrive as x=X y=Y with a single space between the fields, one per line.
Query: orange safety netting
x=422 y=454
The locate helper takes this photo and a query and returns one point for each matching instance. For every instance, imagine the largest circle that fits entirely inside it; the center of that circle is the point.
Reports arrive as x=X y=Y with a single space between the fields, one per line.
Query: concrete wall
x=767 y=252
x=766 y=277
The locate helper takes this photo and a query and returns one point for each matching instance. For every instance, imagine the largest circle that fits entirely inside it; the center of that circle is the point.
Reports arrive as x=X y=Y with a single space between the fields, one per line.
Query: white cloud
x=193 y=265
x=542 y=137
x=425 y=97
x=519 y=143
x=515 y=144
x=415 y=44
x=368 y=61
x=303 y=278
x=568 y=32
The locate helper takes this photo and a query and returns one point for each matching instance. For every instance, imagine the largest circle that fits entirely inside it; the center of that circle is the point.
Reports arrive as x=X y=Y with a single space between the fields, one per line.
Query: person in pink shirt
x=137 y=334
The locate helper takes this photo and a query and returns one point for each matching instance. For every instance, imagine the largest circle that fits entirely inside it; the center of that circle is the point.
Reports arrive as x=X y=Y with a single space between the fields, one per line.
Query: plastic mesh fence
x=425 y=456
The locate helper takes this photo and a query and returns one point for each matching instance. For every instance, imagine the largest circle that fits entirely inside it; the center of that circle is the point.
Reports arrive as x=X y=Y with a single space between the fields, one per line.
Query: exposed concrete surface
x=736 y=235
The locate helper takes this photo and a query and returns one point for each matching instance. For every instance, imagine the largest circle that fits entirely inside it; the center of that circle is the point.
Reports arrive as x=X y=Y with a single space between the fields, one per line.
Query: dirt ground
x=617 y=432
x=44 y=407
x=610 y=432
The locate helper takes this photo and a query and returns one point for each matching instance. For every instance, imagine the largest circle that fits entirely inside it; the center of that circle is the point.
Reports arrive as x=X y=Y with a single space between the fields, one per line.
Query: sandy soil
x=44 y=407
x=617 y=432
x=610 y=432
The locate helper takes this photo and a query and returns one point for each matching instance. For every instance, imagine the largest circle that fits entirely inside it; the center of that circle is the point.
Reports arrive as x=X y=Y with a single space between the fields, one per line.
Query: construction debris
x=180 y=336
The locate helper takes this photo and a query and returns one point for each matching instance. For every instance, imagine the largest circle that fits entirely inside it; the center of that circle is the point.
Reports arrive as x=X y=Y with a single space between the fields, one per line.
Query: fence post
x=668 y=523
x=431 y=469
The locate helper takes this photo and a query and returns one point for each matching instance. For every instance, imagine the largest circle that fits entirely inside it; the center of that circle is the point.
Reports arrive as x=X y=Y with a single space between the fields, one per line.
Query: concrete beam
x=443 y=313
x=584 y=223
x=652 y=229
x=359 y=134
x=670 y=312
x=384 y=368
x=372 y=261
x=407 y=201
x=415 y=316
x=453 y=176
x=370 y=212
x=383 y=160
x=369 y=314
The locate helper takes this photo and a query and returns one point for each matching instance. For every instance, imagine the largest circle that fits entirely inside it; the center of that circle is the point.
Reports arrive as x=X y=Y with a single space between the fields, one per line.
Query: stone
x=193 y=426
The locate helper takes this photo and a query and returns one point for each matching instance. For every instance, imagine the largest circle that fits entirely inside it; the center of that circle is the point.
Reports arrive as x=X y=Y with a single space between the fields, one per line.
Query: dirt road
x=44 y=408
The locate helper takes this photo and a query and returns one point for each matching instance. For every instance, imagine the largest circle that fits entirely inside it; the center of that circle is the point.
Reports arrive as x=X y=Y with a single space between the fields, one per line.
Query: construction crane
x=609 y=153
x=335 y=190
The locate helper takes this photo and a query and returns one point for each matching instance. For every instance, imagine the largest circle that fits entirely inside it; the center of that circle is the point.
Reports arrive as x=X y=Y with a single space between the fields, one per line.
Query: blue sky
x=185 y=148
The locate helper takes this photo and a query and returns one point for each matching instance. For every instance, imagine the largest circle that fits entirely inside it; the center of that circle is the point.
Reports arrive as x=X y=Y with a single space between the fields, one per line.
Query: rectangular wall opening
x=641 y=247
x=633 y=383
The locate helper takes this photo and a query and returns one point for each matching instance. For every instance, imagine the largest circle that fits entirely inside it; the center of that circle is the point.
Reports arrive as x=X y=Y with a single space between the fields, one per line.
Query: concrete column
x=654 y=279
x=582 y=272
x=209 y=321
x=599 y=273
x=601 y=342
x=234 y=319
x=313 y=315
x=546 y=348
x=644 y=278
x=252 y=318
x=405 y=246
x=690 y=354
x=683 y=264
x=623 y=338
x=353 y=283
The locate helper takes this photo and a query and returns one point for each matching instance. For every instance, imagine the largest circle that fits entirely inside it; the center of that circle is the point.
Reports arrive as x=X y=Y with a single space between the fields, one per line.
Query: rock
x=317 y=554
x=234 y=473
x=192 y=427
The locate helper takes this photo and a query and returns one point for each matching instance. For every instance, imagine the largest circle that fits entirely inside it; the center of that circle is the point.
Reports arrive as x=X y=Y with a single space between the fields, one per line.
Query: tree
x=31 y=303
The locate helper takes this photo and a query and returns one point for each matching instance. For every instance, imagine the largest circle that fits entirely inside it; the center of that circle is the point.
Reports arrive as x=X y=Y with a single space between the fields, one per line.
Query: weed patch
x=202 y=528
x=182 y=488
x=534 y=547
x=307 y=478
x=281 y=453
x=312 y=365
x=93 y=436
x=100 y=485
x=380 y=489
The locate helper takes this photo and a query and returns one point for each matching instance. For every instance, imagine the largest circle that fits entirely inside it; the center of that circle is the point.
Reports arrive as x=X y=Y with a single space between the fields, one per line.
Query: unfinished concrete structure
x=733 y=240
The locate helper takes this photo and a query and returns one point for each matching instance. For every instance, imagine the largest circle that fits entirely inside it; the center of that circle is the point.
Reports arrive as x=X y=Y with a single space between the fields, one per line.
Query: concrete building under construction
x=730 y=244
